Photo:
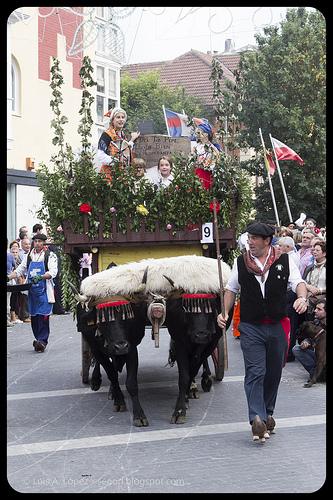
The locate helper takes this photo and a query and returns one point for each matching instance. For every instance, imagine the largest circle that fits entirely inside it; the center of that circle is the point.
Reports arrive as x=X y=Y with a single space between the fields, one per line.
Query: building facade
x=35 y=35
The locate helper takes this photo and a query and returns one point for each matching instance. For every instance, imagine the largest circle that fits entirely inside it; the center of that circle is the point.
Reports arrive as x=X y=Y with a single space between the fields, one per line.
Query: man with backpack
x=41 y=266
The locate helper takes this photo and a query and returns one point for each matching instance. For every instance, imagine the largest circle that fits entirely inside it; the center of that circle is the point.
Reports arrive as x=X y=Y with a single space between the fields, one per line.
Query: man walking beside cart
x=41 y=266
x=262 y=275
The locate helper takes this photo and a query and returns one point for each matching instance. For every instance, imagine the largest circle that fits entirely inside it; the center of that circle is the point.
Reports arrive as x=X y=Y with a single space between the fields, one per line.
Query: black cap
x=39 y=236
x=261 y=229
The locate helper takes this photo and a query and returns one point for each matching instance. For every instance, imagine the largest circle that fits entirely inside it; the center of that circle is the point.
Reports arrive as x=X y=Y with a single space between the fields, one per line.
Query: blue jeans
x=307 y=358
x=264 y=349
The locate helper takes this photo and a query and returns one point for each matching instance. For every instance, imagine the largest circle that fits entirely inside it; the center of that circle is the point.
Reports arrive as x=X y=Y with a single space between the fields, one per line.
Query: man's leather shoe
x=42 y=347
x=270 y=424
x=259 y=430
x=39 y=346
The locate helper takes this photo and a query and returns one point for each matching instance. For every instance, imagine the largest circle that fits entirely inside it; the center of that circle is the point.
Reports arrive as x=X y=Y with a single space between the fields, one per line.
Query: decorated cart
x=132 y=246
x=120 y=218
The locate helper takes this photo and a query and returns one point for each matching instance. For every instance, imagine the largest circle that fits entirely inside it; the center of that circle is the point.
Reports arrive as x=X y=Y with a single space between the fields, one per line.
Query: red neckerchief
x=33 y=251
x=253 y=268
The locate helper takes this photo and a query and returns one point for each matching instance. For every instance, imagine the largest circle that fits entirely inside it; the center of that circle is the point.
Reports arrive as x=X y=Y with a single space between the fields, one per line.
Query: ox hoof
x=194 y=393
x=119 y=407
x=178 y=419
x=140 y=422
x=206 y=384
x=95 y=384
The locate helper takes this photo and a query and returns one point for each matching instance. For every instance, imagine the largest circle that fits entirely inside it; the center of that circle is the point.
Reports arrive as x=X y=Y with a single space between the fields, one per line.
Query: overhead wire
x=136 y=32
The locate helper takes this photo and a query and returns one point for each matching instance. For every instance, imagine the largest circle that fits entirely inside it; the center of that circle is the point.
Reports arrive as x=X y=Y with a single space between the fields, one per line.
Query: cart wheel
x=218 y=360
x=86 y=359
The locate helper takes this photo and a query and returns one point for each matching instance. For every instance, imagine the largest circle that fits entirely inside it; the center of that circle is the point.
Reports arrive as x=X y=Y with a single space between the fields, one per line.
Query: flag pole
x=219 y=258
x=269 y=180
x=166 y=121
x=281 y=180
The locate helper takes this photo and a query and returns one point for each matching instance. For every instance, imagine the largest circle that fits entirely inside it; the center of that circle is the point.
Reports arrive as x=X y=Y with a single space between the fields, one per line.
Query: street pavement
x=64 y=438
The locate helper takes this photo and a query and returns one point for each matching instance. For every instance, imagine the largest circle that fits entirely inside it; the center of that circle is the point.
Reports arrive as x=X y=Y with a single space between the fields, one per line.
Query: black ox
x=191 y=321
x=113 y=333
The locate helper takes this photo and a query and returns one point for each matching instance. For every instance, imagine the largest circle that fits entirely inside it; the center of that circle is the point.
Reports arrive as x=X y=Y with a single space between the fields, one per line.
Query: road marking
x=141 y=436
x=87 y=390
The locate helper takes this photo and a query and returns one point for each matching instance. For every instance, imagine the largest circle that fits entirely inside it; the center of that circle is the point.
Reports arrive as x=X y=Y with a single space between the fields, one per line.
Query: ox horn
x=78 y=296
x=145 y=275
x=172 y=283
x=143 y=285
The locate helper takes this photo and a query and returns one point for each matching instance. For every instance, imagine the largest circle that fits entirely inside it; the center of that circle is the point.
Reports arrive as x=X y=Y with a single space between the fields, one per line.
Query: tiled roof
x=135 y=69
x=191 y=70
x=231 y=61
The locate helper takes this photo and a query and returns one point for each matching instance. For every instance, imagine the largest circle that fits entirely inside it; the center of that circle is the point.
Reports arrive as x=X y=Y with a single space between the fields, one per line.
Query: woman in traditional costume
x=206 y=153
x=113 y=145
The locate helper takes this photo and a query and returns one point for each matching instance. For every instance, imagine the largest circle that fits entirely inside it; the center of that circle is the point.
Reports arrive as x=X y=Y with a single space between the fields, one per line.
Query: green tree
x=282 y=90
x=144 y=96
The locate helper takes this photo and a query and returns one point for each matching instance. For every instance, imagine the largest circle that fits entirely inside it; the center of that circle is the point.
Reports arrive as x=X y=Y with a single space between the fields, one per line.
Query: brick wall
x=62 y=22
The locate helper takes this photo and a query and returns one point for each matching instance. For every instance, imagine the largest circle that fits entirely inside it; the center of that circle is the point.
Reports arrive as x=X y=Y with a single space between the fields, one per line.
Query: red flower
x=85 y=208
x=217 y=204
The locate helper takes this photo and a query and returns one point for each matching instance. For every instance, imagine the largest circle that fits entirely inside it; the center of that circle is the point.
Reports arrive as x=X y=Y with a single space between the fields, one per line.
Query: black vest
x=253 y=307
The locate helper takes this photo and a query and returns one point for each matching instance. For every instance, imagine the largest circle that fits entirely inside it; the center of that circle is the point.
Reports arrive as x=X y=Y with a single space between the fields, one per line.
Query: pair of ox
x=114 y=328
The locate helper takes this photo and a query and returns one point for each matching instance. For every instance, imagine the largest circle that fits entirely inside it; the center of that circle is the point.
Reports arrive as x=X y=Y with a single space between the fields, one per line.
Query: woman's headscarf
x=203 y=124
x=205 y=127
x=112 y=113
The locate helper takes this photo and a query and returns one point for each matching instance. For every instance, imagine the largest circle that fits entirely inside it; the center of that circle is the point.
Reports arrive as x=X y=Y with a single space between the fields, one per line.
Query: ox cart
x=121 y=248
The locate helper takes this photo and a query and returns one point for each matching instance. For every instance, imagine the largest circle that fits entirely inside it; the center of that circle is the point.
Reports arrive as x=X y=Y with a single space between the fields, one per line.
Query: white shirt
x=101 y=158
x=52 y=264
x=165 y=181
x=294 y=276
x=295 y=257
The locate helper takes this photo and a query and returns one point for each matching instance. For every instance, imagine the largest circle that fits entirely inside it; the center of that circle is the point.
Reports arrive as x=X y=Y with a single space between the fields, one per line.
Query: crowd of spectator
x=306 y=246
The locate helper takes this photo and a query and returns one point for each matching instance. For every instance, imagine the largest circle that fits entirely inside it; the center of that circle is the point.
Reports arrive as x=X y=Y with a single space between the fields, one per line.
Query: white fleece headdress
x=112 y=113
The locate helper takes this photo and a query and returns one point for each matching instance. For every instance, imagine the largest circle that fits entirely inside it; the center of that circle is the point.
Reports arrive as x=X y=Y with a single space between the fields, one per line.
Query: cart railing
x=190 y=234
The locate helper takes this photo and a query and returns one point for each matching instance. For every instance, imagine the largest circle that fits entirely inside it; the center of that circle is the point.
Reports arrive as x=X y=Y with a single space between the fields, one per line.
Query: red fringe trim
x=198 y=296
x=112 y=304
